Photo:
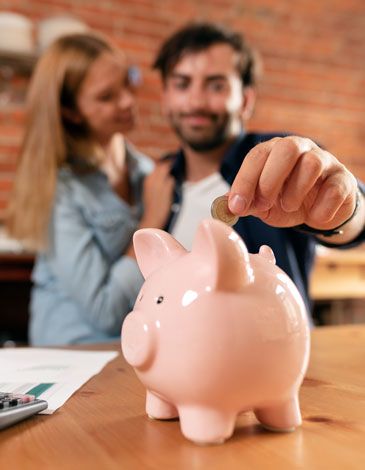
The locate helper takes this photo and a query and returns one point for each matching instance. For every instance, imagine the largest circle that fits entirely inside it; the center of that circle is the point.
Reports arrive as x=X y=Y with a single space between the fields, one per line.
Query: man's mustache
x=211 y=116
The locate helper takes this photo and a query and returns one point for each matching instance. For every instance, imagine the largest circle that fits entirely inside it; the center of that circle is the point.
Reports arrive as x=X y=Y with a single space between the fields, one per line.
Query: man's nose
x=197 y=98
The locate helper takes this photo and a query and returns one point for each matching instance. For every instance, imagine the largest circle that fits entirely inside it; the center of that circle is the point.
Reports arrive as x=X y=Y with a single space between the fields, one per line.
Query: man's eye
x=217 y=86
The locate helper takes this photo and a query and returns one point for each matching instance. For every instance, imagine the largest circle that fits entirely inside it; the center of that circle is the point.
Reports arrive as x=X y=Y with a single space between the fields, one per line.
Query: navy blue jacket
x=294 y=250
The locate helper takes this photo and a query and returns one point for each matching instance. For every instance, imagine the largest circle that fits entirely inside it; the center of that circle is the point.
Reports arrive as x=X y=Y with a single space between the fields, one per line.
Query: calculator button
x=27 y=398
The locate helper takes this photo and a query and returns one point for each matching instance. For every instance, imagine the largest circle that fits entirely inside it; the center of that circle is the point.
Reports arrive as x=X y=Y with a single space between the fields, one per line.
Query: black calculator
x=15 y=407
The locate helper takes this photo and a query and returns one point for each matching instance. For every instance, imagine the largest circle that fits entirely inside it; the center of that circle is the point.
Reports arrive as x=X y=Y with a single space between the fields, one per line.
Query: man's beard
x=218 y=136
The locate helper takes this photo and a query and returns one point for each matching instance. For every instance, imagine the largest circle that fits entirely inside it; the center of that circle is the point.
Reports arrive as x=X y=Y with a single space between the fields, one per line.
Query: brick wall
x=313 y=51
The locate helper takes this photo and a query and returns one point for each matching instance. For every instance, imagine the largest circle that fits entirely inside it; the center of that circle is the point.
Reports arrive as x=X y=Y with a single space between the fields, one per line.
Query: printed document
x=49 y=374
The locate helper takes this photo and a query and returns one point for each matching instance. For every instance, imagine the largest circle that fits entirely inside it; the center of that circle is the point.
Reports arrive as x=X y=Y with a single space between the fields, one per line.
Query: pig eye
x=159 y=299
x=140 y=297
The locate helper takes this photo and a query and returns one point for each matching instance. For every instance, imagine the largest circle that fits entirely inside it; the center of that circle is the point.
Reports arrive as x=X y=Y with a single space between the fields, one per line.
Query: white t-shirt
x=197 y=198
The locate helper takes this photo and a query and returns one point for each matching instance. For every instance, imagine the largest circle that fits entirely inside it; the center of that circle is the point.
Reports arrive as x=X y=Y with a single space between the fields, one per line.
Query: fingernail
x=237 y=204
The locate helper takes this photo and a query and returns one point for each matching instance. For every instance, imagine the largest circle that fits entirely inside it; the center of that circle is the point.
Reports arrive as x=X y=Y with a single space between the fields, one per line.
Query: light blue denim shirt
x=83 y=286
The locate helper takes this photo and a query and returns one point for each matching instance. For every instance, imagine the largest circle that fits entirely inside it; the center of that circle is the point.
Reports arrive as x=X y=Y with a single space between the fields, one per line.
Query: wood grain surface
x=104 y=426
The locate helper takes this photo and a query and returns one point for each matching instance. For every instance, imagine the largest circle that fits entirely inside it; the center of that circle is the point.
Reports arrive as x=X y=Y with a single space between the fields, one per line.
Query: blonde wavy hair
x=50 y=139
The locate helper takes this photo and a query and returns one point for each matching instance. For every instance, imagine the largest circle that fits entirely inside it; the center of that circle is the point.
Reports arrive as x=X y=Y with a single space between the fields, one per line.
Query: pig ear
x=266 y=252
x=225 y=253
x=154 y=248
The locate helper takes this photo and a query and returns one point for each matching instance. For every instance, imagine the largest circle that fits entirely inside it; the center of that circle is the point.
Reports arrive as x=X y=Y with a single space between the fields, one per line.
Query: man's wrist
x=339 y=230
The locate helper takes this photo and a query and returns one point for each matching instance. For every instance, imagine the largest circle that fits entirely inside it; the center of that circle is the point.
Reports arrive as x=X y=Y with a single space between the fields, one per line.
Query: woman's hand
x=157 y=196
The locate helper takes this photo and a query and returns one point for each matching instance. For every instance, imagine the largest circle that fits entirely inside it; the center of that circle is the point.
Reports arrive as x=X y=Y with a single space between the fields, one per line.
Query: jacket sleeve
x=104 y=289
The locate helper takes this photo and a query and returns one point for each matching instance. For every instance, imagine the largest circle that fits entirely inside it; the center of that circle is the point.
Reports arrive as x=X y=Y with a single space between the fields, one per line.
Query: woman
x=77 y=194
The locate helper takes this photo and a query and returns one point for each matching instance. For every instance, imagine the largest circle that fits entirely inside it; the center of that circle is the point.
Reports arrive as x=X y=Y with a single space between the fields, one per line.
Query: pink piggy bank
x=216 y=332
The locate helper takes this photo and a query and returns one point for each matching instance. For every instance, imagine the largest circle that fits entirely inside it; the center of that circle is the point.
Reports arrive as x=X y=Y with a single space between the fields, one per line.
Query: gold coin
x=219 y=210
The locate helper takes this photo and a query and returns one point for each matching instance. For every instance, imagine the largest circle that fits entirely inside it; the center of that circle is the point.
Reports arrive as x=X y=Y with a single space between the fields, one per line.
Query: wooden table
x=103 y=426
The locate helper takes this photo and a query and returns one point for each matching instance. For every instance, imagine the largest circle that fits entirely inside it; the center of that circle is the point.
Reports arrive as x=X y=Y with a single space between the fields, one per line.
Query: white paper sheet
x=49 y=374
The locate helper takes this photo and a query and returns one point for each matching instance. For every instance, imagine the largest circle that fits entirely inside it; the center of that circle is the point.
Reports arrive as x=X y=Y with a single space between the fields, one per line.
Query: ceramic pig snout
x=137 y=341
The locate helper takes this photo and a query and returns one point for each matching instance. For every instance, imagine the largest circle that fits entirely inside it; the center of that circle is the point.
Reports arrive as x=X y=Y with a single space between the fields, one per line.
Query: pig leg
x=156 y=408
x=284 y=416
x=206 y=425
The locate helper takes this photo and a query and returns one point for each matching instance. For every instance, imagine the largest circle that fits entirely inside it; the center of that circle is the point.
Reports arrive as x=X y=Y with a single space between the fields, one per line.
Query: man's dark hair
x=196 y=37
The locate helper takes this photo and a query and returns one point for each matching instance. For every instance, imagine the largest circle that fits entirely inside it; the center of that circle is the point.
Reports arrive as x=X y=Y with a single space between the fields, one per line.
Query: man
x=290 y=191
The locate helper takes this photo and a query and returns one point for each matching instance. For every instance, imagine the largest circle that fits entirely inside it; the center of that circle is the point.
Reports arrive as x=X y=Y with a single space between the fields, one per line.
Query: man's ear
x=71 y=115
x=248 y=104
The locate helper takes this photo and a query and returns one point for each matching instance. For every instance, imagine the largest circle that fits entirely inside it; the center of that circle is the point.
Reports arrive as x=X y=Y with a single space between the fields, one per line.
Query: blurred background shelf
x=18 y=63
x=338 y=286
x=15 y=285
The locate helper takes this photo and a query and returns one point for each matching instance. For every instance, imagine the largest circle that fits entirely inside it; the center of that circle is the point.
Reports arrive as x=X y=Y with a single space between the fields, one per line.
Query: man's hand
x=290 y=181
